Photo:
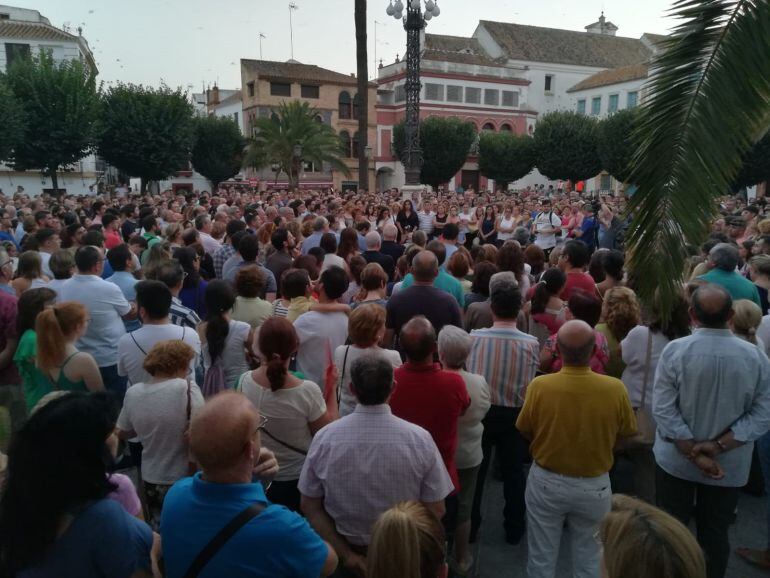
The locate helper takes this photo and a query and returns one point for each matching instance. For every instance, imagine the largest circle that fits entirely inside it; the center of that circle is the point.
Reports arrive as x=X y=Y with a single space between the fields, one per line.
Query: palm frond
x=708 y=100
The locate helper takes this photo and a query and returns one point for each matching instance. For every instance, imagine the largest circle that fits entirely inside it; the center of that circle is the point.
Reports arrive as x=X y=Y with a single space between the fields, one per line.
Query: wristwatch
x=720 y=445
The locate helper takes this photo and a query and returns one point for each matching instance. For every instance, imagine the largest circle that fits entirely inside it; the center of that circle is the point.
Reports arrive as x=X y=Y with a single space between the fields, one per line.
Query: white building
x=26 y=32
x=610 y=90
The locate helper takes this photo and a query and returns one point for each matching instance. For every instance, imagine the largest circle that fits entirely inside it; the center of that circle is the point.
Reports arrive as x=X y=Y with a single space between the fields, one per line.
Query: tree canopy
x=445 y=141
x=293 y=128
x=505 y=156
x=616 y=142
x=60 y=103
x=217 y=151
x=146 y=132
x=12 y=121
x=566 y=146
x=756 y=164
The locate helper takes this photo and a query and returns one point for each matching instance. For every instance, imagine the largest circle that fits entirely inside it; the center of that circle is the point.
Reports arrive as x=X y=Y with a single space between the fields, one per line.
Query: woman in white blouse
x=454 y=345
x=634 y=351
x=295 y=409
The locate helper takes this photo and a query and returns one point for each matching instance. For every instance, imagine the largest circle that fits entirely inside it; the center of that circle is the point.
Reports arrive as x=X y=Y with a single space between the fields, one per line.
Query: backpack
x=214 y=380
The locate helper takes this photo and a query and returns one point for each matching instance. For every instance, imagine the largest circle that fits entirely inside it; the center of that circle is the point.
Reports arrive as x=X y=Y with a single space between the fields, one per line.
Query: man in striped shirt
x=425 y=217
x=508 y=359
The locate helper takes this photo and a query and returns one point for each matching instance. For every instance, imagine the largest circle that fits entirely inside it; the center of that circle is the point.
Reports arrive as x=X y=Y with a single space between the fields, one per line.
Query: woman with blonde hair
x=620 y=314
x=57 y=329
x=407 y=542
x=642 y=541
x=173 y=234
x=746 y=319
x=759 y=273
x=29 y=273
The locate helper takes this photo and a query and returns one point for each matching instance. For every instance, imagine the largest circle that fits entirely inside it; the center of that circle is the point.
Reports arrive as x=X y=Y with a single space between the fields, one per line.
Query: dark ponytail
x=220 y=299
x=550 y=284
x=278 y=341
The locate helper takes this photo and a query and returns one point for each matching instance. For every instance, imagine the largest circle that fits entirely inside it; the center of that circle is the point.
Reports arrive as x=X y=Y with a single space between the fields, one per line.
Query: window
x=434 y=91
x=250 y=88
x=15 y=51
x=400 y=93
x=549 y=83
x=632 y=100
x=345 y=143
x=280 y=89
x=309 y=91
x=454 y=93
x=235 y=117
x=510 y=98
x=612 y=104
x=319 y=119
x=309 y=167
x=488 y=127
x=356 y=106
x=5 y=16
x=472 y=95
x=345 y=109
x=605 y=182
x=581 y=106
x=491 y=97
x=505 y=127
x=596 y=105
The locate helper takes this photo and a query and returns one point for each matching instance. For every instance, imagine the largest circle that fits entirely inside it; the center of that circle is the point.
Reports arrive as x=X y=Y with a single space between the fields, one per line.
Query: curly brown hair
x=167 y=358
x=621 y=311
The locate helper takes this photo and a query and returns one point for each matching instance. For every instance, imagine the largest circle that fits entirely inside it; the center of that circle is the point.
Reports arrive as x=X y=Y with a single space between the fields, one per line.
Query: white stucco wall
x=621 y=89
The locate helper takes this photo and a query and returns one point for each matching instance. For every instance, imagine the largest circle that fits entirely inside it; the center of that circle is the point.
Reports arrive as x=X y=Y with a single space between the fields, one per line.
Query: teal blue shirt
x=736 y=284
x=447 y=283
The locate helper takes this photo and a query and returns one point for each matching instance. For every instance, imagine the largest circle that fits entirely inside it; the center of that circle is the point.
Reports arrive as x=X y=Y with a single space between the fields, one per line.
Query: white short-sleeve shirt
x=134 y=347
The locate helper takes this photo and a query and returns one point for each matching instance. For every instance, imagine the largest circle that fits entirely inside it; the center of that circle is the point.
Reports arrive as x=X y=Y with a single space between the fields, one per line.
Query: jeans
x=555 y=500
x=763 y=450
x=714 y=509
x=113 y=382
x=512 y=451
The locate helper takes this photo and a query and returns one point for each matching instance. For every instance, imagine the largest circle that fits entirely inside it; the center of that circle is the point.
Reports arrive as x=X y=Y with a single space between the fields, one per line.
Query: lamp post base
x=414 y=193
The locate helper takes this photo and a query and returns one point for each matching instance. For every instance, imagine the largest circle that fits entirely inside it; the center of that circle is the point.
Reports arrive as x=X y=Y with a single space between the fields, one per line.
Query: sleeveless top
x=63 y=382
x=507 y=224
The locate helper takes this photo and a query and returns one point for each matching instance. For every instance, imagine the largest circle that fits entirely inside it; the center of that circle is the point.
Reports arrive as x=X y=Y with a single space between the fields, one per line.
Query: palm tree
x=363 y=93
x=293 y=135
x=708 y=101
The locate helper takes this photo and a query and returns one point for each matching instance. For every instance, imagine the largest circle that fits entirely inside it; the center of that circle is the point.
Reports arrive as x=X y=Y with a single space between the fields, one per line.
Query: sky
x=192 y=43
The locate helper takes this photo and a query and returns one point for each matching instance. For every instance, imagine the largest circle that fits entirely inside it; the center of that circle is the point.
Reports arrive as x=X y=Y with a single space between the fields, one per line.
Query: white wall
x=622 y=89
x=229 y=110
x=61 y=50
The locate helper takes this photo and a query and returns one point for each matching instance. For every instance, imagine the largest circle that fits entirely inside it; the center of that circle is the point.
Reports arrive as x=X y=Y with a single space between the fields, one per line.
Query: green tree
x=445 y=142
x=706 y=105
x=756 y=164
x=565 y=144
x=293 y=135
x=505 y=157
x=12 y=121
x=616 y=143
x=60 y=102
x=217 y=152
x=146 y=132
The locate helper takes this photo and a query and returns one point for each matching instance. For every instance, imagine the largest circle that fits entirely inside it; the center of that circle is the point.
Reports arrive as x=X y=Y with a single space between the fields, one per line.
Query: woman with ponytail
x=224 y=341
x=294 y=408
x=67 y=368
x=547 y=308
x=407 y=542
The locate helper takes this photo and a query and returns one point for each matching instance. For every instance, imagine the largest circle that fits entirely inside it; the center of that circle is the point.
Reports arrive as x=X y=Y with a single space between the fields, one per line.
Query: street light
x=415 y=20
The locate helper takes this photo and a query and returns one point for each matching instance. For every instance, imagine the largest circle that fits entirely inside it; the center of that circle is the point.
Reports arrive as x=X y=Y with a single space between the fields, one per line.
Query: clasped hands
x=703 y=455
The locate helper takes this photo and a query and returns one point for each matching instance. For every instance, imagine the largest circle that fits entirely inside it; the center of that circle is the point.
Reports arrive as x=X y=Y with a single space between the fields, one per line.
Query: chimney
x=214 y=96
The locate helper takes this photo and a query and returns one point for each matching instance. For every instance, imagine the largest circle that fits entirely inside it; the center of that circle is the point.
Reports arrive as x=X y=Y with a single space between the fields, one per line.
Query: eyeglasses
x=262 y=423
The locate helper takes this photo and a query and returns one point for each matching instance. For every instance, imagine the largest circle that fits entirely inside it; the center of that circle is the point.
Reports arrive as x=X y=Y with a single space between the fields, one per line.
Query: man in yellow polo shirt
x=573 y=419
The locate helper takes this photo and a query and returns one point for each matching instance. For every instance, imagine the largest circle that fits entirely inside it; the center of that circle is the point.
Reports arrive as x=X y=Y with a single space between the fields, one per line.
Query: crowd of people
x=320 y=383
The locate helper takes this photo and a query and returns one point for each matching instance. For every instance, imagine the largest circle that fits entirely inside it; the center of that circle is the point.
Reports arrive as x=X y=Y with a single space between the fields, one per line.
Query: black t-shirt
x=127 y=229
x=410 y=223
x=438 y=306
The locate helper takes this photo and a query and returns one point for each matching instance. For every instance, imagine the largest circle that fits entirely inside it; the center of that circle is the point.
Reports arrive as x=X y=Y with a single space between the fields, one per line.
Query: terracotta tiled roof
x=443 y=48
x=538 y=44
x=37 y=30
x=613 y=76
x=296 y=71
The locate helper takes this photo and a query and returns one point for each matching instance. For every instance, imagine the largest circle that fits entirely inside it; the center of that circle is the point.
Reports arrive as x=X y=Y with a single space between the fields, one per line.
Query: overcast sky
x=192 y=42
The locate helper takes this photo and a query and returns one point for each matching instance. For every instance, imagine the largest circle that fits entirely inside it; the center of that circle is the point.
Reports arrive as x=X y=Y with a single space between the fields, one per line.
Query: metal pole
x=261 y=36
x=375 y=49
x=292 y=7
x=412 y=156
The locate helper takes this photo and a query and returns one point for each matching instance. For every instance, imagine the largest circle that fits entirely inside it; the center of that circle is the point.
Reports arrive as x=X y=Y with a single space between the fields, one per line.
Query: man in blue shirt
x=588 y=229
x=276 y=543
x=710 y=400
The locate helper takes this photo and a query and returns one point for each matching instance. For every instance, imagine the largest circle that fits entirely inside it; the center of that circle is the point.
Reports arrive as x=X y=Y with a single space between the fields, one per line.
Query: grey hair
x=521 y=234
x=372 y=240
x=454 y=345
x=502 y=280
x=724 y=256
x=372 y=378
x=320 y=224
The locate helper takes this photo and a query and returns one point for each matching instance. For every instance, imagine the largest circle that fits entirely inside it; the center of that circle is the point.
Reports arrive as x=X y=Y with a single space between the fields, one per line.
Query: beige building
x=266 y=84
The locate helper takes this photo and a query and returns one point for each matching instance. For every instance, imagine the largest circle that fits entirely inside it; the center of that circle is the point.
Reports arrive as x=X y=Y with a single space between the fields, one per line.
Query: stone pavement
x=496 y=559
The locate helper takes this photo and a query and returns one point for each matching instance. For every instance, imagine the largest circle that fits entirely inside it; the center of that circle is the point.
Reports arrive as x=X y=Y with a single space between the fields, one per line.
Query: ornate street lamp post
x=414 y=22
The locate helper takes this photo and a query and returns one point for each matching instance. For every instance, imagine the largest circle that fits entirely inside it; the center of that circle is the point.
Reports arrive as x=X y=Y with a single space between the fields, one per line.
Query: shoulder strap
x=647 y=366
x=66 y=361
x=283 y=443
x=222 y=537
x=342 y=374
x=137 y=343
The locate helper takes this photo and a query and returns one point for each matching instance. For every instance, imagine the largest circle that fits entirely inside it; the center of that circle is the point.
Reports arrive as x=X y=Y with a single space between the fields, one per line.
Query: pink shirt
x=8 y=311
x=366 y=462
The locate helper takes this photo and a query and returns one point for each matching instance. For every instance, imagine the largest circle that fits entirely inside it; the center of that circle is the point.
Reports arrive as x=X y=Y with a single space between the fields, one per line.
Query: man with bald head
x=573 y=418
x=269 y=540
x=373 y=254
x=710 y=400
x=422 y=298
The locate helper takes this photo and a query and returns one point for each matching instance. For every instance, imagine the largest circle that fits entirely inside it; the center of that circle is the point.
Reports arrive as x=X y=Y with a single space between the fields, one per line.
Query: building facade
x=267 y=84
x=24 y=33
x=503 y=77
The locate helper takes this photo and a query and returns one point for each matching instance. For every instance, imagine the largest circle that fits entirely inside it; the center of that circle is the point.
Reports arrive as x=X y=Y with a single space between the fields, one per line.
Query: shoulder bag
x=645 y=425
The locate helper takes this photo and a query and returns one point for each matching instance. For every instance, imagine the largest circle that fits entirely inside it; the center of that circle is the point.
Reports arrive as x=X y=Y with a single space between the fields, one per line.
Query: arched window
x=319 y=119
x=506 y=128
x=354 y=146
x=488 y=127
x=274 y=117
x=344 y=105
x=356 y=106
x=345 y=143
